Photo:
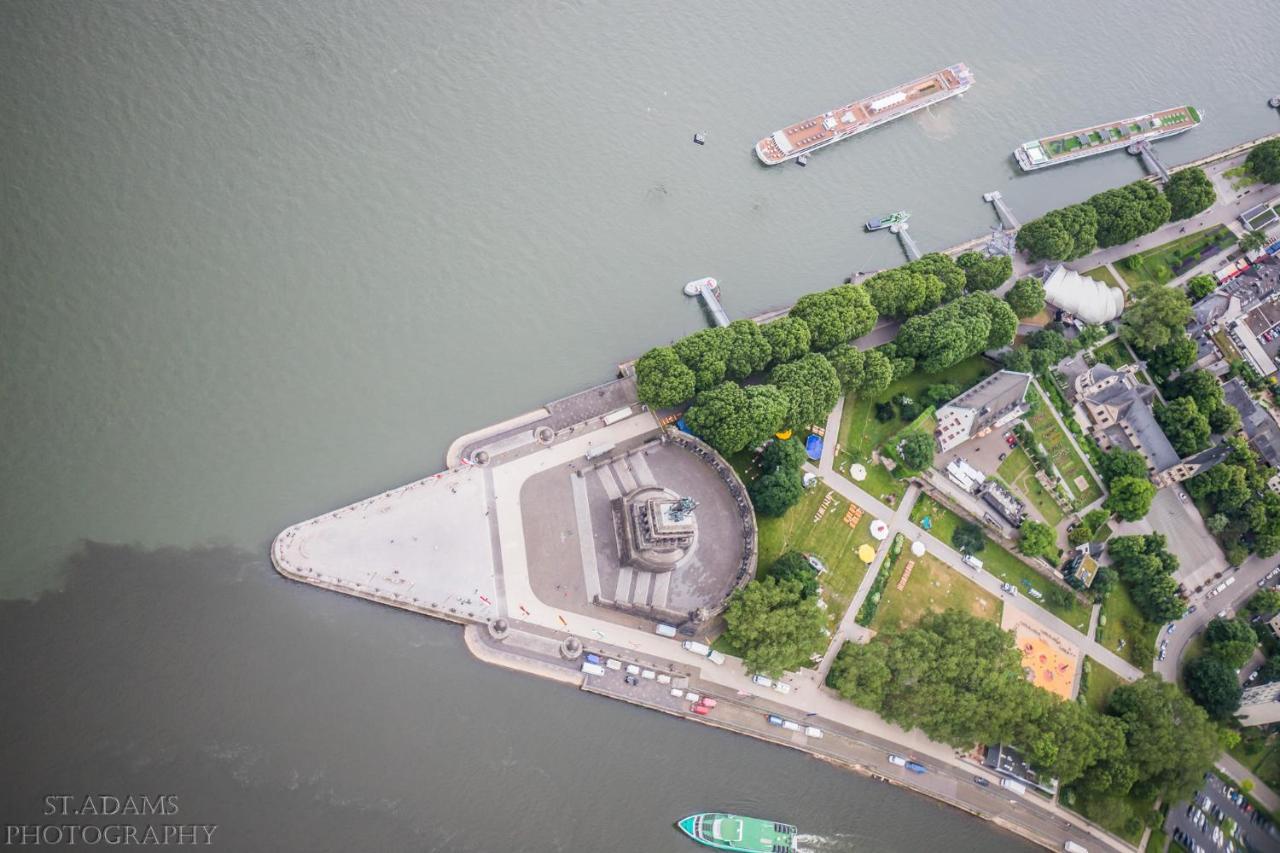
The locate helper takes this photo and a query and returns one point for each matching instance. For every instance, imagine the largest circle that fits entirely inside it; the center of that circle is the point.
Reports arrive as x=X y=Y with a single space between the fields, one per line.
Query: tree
x=1004 y=323
x=968 y=537
x=1253 y=241
x=779 y=453
x=901 y=292
x=916 y=449
x=811 y=387
x=1095 y=518
x=1026 y=297
x=944 y=269
x=848 y=362
x=1189 y=192
x=788 y=339
x=953 y=332
x=766 y=412
x=835 y=316
x=1146 y=567
x=748 y=350
x=1130 y=497
x=662 y=380
x=1178 y=354
x=885 y=412
x=774 y=493
x=984 y=272
x=1201 y=286
x=1157 y=316
x=1213 y=684
x=1265 y=603
x=1079 y=535
x=1187 y=429
x=1038 y=540
x=705 y=353
x=1216 y=523
x=1117 y=463
x=936 y=395
x=1060 y=235
x=1231 y=641
x=1126 y=213
x=1264 y=161
x=877 y=373
x=719 y=417
x=794 y=566
x=775 y=626
x=1170 y=740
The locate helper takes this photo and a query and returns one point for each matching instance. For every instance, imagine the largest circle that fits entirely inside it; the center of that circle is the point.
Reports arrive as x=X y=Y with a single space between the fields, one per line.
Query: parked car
x=897 y=759
x=701 y=710
x=978 y=780
x=762 y=680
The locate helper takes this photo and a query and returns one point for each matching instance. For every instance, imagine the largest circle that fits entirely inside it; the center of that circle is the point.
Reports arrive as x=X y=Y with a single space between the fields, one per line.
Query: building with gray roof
x=1259 y=427
x=994 y=402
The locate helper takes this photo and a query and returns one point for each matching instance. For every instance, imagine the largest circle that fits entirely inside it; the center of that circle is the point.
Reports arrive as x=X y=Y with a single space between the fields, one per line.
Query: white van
x=781 y=687
x=898 y=760
x=1016 y=787
x=613 y=664
x=715 y=657
x=762 y=680
x=593 y=669
x=665 y=630
x=970 y=560
x=1072 y=847
x=1035 y=593
x=791 y=725
x=813 y=731
x=632 y=669
x=699 y=649
x=648 y=674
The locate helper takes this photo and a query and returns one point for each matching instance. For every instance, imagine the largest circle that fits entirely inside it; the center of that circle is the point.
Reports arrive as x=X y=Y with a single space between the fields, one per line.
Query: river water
x=262 y=260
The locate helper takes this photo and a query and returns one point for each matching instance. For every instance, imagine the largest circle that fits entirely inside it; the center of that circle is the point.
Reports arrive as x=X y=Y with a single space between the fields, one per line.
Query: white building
x=1086 y=298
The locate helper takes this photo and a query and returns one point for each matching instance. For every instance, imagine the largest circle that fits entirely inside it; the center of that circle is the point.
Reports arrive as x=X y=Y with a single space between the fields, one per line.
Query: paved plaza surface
x=571 y=540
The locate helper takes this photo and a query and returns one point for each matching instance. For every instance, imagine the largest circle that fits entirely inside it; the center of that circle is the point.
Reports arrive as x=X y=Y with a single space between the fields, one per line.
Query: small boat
x=888 y=221
x=734 y=832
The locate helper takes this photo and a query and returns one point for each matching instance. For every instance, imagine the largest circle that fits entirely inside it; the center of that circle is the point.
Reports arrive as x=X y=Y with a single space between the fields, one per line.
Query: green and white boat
x=734 y=832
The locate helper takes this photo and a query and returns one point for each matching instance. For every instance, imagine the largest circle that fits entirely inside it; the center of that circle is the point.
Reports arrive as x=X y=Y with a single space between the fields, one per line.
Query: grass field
x=932 y=587
x=1113 y=353
x=1120 y=620
x=999 y=562
x=829 y=539
x=1157 y=266
x=1103 y=275
x=1019 y=474
x=1260 y=752
x=1063 y=453
x=1101 y=682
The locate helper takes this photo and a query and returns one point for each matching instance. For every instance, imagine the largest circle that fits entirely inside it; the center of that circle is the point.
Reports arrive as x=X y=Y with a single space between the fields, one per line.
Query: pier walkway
x=1149 y=159
x=1007 y=219
x=706 y=289
x=908 y=244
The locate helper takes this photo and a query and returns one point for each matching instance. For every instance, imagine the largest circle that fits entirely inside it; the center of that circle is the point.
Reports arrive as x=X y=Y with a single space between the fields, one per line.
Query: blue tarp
x=813 y=447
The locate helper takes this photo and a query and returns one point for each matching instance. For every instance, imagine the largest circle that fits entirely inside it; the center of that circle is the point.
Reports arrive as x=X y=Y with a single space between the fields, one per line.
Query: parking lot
x=1213 y=821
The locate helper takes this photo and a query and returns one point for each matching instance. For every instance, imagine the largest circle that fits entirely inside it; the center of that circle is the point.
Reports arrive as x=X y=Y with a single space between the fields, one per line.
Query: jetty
x=904 y=237
x=709 y=292
x=1152 y=163
x=1007 y=219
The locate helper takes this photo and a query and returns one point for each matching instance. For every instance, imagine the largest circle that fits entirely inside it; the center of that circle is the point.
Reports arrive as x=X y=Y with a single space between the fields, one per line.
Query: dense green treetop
x=662 y=380
x=1179 y=353
x=1146 y=567
x=1026 y=297
x=1189 y=192
x=901 y=292
x=916 y=449
x=788 y=339
x=775 y=626
x=848 y=362
x=1130 y=497
x=780 y=453
x=748 y=350
x=1231 y=641
x=968 y=537
x=1126 y=213
x=1185 y=426
x=794 y=566
x=836 y=316
x=705 y=353
x=1264 y=161
x=774 y=493
x=1201 y=286
x=1060 y=235
x=1037 y=540
x=877 y=372
x=1118 y=462
x=811 y=387
x=1214 y=685
x=985 y=272
x=1157 y=316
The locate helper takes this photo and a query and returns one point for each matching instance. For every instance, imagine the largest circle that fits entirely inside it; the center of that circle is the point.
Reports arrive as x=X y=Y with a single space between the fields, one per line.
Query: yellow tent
x=866 y=553
x=784 y=435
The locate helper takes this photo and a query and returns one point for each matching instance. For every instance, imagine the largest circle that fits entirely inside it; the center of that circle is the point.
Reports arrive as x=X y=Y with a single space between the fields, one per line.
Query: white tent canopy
x=1089 y=299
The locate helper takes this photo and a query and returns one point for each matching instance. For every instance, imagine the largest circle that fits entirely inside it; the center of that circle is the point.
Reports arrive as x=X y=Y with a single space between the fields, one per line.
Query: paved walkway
x=1239 y=772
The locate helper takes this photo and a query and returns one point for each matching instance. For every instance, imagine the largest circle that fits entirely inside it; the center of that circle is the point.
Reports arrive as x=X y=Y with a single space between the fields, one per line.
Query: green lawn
x=1113 y=353
x=1120 y=620
x=1063 y=453
x=1101 y=681
x=1156 y=266
x=1240 y=177
x=1103 y=275
x=1019 y=474
x=861 y=433
x=829 y=538
x=999 y=562
x=932 y=587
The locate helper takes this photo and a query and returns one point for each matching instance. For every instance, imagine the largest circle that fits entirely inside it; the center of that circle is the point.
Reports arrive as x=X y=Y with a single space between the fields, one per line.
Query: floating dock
x=709 y=292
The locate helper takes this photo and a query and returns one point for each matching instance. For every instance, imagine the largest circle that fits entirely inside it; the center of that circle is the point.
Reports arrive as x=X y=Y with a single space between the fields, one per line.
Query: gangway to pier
x=908 y=245
x=1007 y=219
x=708 y=290
x=1149 y=159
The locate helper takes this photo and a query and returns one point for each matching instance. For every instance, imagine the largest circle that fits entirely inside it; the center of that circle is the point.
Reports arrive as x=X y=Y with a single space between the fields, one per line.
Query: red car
x=708 y=701
x=701 y=710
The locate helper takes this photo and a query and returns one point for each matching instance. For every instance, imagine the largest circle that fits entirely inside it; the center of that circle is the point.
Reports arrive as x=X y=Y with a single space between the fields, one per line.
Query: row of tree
x=775 y=623
x=957 y=331
x=1263 y=162
x=1195 y=410
x=1211 y=677
x=1115 y=216
x=1146 y=568
x=1244 y=513
x=1129 y=489
x=959 y=679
